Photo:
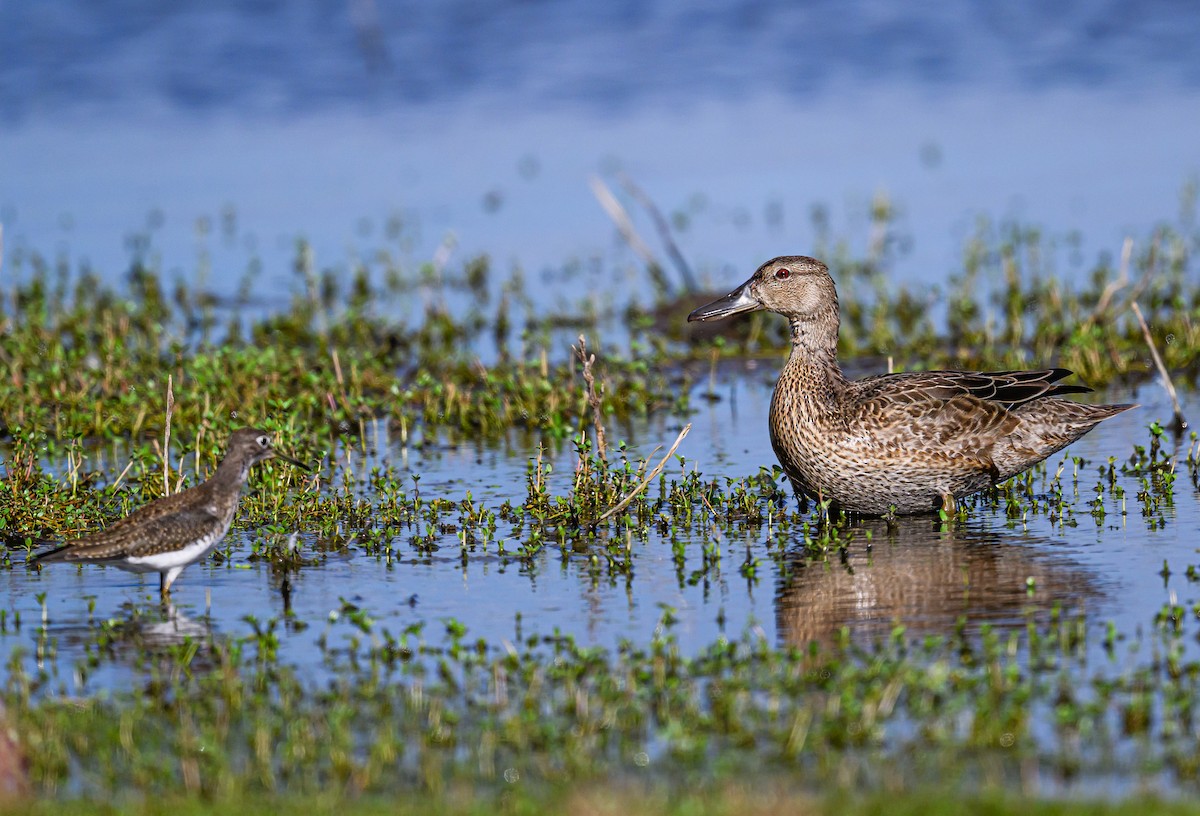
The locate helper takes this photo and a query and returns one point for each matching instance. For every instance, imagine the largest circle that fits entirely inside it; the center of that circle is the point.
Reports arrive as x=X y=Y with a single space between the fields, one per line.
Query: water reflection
x=172 y=629
x=136 y=632
x=926 y=576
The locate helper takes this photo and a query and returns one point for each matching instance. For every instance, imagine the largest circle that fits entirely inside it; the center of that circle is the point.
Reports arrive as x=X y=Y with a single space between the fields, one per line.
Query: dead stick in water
x=166 y=452
x=1180 y=422
x=649 y=478
x=593 y=397
x=664 y=230
x=625 y=226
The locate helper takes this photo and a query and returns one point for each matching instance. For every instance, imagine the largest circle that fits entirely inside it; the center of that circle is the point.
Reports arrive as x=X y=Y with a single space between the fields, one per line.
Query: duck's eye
x=783 y=273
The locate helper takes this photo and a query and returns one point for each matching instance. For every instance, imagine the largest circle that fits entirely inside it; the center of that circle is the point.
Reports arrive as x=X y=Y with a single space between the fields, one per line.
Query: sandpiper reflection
x=137 y=632
x=926 y=576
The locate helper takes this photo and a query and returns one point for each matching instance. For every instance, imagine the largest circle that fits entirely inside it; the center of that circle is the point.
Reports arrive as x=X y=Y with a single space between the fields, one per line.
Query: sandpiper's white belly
x=175 y=559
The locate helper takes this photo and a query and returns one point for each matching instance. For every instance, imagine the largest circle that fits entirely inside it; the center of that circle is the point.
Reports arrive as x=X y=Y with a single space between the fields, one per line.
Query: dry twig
x=1180 y=423
x=633 y=494
x=166 y=450
x=593 y=397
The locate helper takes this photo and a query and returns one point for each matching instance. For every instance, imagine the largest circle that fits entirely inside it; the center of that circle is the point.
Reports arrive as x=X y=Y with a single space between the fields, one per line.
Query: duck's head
x=795 y=286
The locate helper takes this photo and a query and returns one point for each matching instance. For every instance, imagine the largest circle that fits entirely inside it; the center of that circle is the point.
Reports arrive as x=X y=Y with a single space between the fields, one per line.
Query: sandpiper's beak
x=297 y=463
x=738 y=301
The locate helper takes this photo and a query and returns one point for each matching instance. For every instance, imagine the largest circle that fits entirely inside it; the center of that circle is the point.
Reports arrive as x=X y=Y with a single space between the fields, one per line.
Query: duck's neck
x=813 y=362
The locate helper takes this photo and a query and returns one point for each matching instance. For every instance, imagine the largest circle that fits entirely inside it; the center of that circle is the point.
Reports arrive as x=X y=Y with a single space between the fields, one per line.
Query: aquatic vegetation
x=222 y=717
x=84 y=358
x=92 y=361
x=390 y=705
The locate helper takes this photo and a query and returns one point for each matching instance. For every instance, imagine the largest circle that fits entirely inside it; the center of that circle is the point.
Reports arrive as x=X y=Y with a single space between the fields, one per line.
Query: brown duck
x=896 y=443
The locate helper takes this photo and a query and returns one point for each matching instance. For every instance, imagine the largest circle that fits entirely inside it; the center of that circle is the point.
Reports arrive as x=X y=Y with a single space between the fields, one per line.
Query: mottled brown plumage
x=903 y=443
x=175 y=531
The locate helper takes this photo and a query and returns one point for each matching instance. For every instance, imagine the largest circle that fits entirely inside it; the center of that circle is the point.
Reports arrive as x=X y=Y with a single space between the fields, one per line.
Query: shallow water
x=924 y=575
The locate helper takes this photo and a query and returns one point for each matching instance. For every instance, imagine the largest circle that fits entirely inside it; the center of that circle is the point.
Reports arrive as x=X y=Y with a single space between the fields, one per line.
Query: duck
x=902 y=443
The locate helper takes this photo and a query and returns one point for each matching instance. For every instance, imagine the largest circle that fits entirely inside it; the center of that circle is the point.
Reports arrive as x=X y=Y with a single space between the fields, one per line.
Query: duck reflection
x=926 y=576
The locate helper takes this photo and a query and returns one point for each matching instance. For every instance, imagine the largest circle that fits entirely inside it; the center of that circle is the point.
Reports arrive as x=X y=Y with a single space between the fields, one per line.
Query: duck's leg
x=891 y=519
x=802 y=495
x=823 y=508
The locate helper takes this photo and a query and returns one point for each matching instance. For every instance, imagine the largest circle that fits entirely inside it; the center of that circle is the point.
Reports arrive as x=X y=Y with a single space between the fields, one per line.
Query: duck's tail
x=1047 y=426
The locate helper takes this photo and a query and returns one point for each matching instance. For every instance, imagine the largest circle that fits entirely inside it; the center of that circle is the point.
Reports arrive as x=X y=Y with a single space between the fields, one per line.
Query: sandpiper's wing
x=149 y=536
x=162 y=506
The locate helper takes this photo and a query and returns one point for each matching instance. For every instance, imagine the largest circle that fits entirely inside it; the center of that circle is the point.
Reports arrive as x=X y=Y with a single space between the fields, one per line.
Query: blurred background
x=213 y=135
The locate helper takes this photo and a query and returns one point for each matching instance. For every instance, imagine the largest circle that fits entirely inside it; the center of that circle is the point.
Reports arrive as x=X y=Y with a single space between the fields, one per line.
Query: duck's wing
x=929 y=389
x=951 y=413
x=153 y=535
x=1011 y=388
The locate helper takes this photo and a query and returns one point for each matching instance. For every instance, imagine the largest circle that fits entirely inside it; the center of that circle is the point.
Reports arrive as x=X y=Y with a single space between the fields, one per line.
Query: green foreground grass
x=726 y=800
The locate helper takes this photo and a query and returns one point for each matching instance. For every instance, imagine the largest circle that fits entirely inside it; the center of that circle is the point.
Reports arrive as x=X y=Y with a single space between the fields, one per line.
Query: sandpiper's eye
x=264 y=441
x=783 y=273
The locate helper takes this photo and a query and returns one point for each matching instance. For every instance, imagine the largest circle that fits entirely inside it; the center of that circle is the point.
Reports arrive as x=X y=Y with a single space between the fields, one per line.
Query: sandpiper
x=173 y=532
x=896 y=443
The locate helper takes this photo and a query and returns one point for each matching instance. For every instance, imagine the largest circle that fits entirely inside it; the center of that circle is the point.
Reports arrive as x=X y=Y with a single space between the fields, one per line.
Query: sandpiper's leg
x=949 y=505
x=168 y=578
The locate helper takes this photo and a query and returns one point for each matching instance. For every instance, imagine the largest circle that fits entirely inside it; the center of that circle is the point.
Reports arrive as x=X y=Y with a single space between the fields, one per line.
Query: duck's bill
x=738 y=301
x=295 y=462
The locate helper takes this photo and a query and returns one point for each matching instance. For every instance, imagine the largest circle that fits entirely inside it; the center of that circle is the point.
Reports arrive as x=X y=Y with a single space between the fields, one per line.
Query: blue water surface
x=220 y=133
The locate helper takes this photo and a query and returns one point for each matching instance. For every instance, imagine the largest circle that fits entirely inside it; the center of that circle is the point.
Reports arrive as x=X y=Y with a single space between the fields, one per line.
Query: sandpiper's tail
x=17 y=542
x=51 y=556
